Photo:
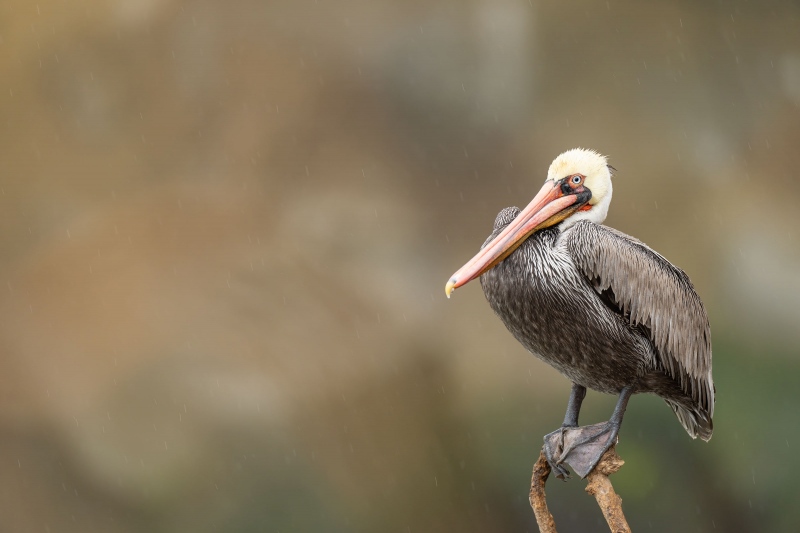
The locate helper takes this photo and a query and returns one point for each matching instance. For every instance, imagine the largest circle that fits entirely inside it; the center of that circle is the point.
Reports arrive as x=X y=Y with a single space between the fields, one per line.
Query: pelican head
x=596 y=174
x=578 y=187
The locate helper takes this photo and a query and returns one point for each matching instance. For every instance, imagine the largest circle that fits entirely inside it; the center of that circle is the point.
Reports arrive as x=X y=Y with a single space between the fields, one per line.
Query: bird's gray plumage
x=607 y=312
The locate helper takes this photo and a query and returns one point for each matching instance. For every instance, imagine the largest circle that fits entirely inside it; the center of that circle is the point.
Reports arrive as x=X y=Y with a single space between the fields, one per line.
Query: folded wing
x=650 y=291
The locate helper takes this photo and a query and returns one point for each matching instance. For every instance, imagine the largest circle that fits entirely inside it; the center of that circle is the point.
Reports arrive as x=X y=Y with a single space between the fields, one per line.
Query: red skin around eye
x=576 y=185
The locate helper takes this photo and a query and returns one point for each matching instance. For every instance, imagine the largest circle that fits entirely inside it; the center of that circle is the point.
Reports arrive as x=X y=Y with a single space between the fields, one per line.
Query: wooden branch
x=541 y=470
x=598 y=486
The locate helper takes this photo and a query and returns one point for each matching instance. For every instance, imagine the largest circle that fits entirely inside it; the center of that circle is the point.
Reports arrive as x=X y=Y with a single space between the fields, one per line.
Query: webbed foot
x=579 y=447
x=553 y=448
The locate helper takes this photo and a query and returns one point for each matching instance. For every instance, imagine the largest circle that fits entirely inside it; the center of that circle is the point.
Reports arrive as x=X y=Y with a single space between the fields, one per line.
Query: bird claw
x=579 y=447
x=553 y=448
x=561 y=472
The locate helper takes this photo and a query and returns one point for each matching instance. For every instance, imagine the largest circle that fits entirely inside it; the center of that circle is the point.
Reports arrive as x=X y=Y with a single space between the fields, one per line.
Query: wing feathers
x=653 y=293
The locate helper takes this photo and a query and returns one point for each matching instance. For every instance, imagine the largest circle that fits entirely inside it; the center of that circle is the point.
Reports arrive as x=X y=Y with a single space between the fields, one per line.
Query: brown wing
x=652 y=292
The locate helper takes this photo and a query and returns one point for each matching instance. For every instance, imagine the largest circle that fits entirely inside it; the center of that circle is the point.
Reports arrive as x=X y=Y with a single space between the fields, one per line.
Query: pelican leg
x=582 y=447
x=576 y=396
x=553 y=442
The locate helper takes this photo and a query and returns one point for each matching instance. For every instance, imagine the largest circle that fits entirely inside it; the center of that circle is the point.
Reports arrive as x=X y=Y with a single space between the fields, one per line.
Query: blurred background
x=226 y=229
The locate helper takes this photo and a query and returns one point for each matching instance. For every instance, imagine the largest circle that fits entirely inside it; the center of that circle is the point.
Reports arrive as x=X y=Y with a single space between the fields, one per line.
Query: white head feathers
x=598 y=180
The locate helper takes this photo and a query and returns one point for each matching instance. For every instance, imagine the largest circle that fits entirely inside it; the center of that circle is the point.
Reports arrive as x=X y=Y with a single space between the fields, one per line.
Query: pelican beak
x=549 y=207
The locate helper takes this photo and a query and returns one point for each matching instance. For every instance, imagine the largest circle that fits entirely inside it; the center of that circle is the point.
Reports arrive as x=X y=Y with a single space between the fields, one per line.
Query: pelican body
x=601 y=307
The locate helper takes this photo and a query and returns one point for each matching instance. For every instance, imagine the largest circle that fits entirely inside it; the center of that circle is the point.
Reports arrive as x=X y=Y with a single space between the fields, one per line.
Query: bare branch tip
x=598 y=486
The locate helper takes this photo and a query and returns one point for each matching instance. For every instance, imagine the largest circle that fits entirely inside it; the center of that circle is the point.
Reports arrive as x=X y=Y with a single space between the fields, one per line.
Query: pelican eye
x=576 y=179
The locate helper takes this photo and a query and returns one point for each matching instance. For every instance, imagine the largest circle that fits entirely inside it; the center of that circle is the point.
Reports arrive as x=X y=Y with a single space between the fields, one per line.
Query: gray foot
x=579 y=447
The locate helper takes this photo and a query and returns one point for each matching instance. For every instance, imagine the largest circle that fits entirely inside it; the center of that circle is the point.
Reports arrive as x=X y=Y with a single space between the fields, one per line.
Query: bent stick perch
x=598 y=486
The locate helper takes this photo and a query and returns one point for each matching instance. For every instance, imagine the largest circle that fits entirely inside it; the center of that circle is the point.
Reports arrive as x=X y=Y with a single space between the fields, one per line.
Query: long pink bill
x=548 y=202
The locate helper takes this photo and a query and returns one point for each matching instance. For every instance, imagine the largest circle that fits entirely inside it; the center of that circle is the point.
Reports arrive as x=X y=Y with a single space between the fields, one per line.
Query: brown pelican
x=601 y=307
